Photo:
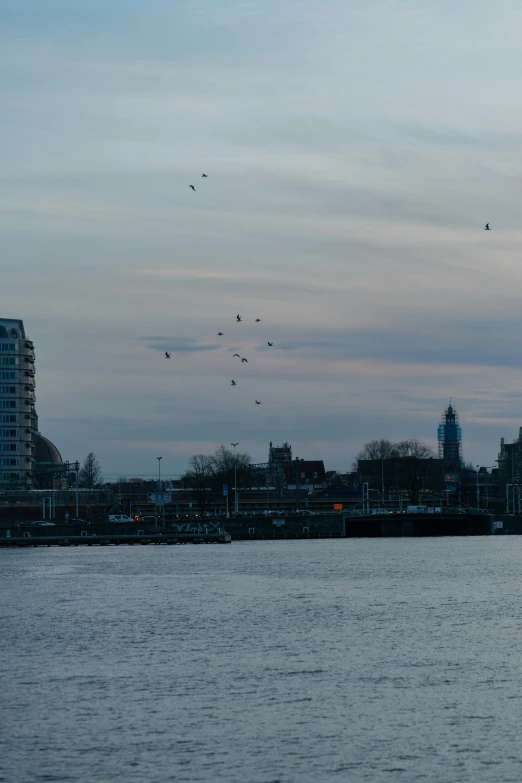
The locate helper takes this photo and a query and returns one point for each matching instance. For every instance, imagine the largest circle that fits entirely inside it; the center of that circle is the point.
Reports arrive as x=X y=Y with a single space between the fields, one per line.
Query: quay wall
x=397 y=525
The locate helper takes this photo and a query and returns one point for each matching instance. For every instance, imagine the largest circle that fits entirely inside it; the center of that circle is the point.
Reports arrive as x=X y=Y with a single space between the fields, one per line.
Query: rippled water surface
x=352 y=660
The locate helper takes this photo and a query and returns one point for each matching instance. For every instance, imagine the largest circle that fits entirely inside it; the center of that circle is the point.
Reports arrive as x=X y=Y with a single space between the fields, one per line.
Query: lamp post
x=76 y=471
x=159 y=490
x=478 y=491
x=235 y=477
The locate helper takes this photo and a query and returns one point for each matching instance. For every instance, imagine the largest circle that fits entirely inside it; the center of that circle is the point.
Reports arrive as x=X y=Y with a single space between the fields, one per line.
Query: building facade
x=510 y=464
x=18 y=421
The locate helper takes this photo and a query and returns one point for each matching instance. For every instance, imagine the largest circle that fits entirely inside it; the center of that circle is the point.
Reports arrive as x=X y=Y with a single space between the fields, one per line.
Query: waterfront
x=363 y=660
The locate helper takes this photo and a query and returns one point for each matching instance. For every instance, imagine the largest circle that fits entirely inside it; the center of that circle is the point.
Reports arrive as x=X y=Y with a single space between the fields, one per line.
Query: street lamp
x=478 y=491
x=159 y=490
x=235 y=476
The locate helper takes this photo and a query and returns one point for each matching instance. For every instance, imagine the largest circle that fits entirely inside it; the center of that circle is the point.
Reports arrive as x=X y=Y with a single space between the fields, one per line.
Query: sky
x=354 y=153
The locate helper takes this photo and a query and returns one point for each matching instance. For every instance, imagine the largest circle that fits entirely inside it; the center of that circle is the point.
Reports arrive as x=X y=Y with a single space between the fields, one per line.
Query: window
x=6 y=418
x=315 y=475
x=7 y=389
x=7 y=446
x=7 y=346
x=7 y=403
x=7 y=433
x=7 y=360
x=8 y=375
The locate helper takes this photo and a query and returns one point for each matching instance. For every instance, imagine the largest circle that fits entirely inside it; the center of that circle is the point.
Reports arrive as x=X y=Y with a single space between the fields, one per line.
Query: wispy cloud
x=352 y=163
x=177 y=344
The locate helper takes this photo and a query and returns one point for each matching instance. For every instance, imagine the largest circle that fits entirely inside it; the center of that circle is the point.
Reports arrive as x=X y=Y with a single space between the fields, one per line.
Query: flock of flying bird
x=220 y=334
x=258 y=320
x=244 y=360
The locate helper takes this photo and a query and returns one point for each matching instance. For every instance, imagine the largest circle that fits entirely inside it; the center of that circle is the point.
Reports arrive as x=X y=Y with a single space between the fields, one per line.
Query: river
x=375 y=660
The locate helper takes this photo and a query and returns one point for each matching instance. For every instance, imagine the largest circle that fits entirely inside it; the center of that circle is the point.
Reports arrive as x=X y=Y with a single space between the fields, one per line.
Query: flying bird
x=220 y=334
x=167 y=355
x=233 y=383
x=193 y=188
x=257 y=402
x=238 y=318
x=487 y=227
x=270 y=344
x=203 y=175
x=258 y=320
x=236 y=354
x=244 y=360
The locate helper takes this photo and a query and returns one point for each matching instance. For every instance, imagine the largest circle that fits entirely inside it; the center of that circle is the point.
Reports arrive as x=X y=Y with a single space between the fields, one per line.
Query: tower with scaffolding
x=450 y=440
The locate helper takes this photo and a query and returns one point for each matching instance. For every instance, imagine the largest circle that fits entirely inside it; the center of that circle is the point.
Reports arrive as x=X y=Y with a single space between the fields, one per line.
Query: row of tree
x=207 y=474
x=385 y=449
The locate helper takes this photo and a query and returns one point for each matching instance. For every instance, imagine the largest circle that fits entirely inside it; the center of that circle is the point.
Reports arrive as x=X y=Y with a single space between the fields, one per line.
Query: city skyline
x=353 y=159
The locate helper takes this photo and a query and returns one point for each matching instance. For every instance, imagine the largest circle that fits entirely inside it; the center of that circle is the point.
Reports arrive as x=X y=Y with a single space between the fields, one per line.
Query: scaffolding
x=450 y=439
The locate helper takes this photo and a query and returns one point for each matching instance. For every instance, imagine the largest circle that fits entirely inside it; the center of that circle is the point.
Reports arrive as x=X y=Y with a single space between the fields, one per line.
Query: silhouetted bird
x=487 y=227
x=167 y=355
x=244 y=360
x=233 y=383
x=203 y=175
x=220 y=334
x=257 y=402
x=193 y=188
x=238 y=318
x=270 y=344
x=258 y=320
x=236 y=354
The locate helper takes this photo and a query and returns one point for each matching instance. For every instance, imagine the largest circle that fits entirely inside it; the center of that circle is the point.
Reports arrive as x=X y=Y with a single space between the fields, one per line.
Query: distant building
x=510 y=463
x=396 y=475
x=304 y=473
x=49 y=469
x=25 y=455
x=17 y=400
x=450 y=441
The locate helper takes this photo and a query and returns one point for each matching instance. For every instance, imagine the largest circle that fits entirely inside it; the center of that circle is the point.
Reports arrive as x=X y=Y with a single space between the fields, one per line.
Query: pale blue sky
x=354 y=152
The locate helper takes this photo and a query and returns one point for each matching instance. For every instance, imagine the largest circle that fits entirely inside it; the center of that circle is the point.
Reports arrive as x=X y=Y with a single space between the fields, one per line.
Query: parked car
x=77 y=521
x=120 y=518
x=37 y=523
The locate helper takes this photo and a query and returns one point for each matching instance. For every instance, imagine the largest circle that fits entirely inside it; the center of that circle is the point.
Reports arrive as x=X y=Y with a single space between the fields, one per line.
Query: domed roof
x=46 y=451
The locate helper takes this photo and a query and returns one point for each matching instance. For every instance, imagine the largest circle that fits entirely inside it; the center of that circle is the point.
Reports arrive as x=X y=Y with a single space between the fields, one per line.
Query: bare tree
x=200 y=477
x=90 y=475
x=223 y=463
x=375 y=449
x=413 y=467
x=414 y=449
x=373 y=456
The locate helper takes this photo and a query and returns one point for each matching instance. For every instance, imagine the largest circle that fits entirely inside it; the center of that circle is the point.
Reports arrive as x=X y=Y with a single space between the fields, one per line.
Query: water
x=347 y=660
